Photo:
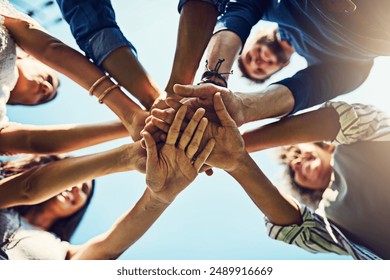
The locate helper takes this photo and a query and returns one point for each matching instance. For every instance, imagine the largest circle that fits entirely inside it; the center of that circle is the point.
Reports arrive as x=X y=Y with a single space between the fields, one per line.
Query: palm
x=170 y=167
x=228 y=145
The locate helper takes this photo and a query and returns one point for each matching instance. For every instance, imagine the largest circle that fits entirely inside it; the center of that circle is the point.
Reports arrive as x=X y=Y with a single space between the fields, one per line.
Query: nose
x=47 y=88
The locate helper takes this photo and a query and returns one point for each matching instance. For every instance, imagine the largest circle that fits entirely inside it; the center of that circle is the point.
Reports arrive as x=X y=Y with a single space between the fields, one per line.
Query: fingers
x=165 y=115
x=220 y=109
x=202 y=91
x=206 y=169
x=193 y=147
x=174 y=130
x=190 y=129
x=174 y=104
x=157 y=136
x=203 y=156
x=151 y=150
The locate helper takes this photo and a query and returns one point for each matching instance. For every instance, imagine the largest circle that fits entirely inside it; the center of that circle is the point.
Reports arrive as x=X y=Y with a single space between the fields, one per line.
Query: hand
x=172 y=167
x=229 y=145
x=201 y=96
x=135 y=122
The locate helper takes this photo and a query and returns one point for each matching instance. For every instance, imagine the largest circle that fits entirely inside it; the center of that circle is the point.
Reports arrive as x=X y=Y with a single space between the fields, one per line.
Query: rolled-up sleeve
x=359 y=122
x=220 y=5
x=240 y=16
x=312 y=235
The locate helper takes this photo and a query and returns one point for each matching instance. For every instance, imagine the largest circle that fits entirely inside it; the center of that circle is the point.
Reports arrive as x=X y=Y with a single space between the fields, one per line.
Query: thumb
x=201 y=91
x=220 y=109
x=151 y=150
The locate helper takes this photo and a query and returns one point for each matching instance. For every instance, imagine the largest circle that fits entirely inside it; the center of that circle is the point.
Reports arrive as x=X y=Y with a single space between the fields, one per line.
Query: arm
x=71 y=63
x=102 y=41
x=169 y=170
x=197 y=21
x=232 y=30
x=336 y=121
x=125 y=68
x=38 y=184
x=322 y=82
x=21 y=138
x=319 y=125
x=309 y=87
x=229 y=154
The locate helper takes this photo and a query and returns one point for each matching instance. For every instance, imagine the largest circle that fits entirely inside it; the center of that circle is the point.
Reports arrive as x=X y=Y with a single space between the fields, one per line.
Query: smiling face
x=37 y=83
x=69 y=201
x=311 y=166
x=263 y=55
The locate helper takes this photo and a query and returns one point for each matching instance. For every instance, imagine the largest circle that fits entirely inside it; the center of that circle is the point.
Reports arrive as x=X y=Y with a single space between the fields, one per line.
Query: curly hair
x=309 y=197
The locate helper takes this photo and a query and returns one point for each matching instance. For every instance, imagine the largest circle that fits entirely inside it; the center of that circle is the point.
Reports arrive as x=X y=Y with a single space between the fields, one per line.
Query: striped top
x=317 y=234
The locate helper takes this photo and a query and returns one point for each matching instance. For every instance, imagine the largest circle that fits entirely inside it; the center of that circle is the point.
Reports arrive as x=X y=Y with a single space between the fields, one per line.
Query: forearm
x=279 y=209
x=125 y=232
x=319 y=125
x=197 y=21
x=126 y=69
x=223 y=45
x=56 y=139
x=41 y=183
x=274 y=101
x=71 y=63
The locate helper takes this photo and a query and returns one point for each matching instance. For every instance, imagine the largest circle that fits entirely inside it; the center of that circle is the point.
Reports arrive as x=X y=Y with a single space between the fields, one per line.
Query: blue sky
x=213 y=218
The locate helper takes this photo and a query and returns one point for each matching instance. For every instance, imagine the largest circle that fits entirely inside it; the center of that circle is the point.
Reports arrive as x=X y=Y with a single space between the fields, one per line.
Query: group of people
x=335 y=155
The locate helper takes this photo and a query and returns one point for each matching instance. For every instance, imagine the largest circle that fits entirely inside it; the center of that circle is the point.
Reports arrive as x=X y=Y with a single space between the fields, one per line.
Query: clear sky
x=213 y=218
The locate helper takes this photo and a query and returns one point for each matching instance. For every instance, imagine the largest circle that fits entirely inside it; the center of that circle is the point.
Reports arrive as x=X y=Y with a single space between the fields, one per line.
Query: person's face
x=312 y=167
x=37 y=83
x=69 y=201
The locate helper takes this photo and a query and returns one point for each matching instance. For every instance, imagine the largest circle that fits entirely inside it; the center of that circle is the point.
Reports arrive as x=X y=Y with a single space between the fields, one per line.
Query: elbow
x=51 y=52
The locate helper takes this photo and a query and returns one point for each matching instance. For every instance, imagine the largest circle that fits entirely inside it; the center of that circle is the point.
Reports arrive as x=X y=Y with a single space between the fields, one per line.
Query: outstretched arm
x=229 y=154
x=54 y=139
x=169 y=170
x=318 y=125
x=197 y=21
x=278 y=208
x=71 y=63
x=41 y=183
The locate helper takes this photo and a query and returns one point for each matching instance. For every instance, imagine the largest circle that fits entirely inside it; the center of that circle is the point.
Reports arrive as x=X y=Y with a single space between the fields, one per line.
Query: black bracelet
x=208 y=76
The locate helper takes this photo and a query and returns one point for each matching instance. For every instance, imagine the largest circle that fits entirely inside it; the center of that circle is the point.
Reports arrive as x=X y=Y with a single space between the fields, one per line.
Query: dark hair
x=272 y=42
x=63 y=228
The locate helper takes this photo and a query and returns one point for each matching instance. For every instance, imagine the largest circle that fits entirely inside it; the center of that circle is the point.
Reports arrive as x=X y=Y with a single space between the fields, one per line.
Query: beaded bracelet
x=101 y=96
x=98 y=82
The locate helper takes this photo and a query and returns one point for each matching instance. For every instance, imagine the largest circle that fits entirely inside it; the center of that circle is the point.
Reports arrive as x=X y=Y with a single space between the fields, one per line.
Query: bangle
x=95 y=84
x=101 y=96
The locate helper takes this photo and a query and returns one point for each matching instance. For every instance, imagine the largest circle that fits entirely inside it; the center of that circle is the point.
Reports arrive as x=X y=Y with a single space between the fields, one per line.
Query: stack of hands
x=184 y=139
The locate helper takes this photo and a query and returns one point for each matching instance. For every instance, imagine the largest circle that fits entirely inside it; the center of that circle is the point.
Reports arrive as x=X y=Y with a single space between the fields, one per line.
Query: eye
x=84 y=188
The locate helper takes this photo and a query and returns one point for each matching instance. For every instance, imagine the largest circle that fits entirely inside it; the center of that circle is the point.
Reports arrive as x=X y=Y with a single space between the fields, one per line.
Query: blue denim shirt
x=93 y=25
x=339 y=48
x=220 y=5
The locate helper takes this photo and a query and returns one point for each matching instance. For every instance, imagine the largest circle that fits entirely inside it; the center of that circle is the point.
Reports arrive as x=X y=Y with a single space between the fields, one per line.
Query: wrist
x=240 y=164
x=156 y=200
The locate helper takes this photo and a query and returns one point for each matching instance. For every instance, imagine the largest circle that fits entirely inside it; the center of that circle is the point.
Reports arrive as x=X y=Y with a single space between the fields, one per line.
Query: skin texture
x=233 y=156
x=55 y=139
x=36 y=84
x=74 y=65
x=174 y=166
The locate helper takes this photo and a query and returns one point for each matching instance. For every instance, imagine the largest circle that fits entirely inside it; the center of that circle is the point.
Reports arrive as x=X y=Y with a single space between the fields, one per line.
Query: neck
x=39 y=218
